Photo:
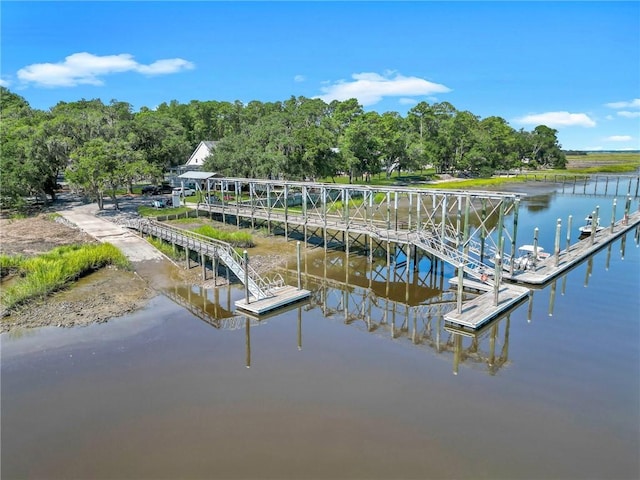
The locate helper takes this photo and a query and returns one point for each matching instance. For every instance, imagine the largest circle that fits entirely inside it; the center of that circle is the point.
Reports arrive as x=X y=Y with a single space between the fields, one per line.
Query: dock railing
x=259 y=287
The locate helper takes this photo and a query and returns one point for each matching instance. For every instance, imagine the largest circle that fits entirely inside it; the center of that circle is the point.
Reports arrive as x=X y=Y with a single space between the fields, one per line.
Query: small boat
x=587 y=228
x=528 y=256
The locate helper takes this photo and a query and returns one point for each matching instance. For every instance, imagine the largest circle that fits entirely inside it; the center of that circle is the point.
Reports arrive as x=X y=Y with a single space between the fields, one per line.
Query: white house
x=202 y=151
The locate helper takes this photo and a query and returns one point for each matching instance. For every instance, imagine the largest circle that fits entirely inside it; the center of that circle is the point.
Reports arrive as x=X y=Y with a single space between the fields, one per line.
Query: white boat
x=528 y=257
x=587 y=228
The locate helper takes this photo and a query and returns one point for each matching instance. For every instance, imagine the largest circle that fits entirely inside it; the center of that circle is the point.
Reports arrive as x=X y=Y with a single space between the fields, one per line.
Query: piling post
x=443 y=218
x=613 y=214
x=569 y=222
x=395 y=208
x=388 y=211
x=535 y=247
x=627 y=209
x=203 y=261
x=557 y=244
x=594 y=223
x=188 y=252
x=496 y=278
x=286 y=212
x=458 y=221
x=501 y=221
x=515 y=233
x=465 y=227
x=460 y=286
x=483 y=229
x=245 y=256
x=298 y=266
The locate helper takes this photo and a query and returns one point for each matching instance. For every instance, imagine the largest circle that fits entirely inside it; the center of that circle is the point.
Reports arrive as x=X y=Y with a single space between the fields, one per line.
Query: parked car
x=156 y=189
x=187 y=192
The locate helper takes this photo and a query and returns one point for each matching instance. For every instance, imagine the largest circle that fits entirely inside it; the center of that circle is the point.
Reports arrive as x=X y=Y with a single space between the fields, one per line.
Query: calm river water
x=353 y=385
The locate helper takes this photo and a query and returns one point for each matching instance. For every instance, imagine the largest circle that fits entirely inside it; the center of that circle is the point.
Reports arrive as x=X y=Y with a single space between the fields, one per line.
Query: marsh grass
x=235 y=239
x=51 y=271
x=167 y=249
x=613 y=169
x=10 y=263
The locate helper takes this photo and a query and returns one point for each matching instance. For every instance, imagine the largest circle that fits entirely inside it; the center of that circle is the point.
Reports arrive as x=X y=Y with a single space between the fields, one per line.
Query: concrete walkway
x=135 y=248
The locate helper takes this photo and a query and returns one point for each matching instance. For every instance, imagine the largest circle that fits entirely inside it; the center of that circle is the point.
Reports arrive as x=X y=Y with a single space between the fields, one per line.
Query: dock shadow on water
x=365 y=380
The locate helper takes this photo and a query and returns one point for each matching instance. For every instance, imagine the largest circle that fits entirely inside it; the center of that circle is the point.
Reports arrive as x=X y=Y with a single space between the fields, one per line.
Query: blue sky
x=574 y=66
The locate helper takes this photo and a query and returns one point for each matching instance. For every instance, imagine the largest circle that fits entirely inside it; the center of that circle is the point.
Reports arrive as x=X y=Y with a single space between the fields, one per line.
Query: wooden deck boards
x=547 y=269
x=481 y=310
x=284 y=296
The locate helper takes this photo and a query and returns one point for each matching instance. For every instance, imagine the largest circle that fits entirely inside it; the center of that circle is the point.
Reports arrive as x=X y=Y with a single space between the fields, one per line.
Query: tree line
x=102 y=147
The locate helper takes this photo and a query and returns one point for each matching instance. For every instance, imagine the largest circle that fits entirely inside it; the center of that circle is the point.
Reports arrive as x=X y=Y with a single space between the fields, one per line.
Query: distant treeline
x=104 y=147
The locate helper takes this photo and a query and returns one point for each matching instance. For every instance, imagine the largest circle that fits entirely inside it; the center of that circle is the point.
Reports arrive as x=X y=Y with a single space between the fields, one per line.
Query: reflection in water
x=474 y=352
x=368 y=294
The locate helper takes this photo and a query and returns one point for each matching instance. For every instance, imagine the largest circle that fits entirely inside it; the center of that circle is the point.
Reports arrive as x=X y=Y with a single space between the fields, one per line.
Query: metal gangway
x=259 y=287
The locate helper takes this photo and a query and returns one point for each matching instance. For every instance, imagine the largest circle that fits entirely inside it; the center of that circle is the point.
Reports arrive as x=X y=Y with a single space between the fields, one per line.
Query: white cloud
x=558 y=119
x=609 y=117
x=619 y=138
x=369 y=88
x=635 y=103
x=407 y=101
x=87 y=69
x=164 y=67
x=4 y=83
x=627 y=114
x=299 y=78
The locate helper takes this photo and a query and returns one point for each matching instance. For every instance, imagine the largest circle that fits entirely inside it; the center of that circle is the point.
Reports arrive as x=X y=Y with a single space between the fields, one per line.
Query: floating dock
x=547 y=269
x=283 y=296
x=483 y=309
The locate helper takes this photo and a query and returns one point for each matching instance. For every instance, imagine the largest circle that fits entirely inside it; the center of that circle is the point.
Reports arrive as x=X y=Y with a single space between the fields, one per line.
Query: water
x=550 y=391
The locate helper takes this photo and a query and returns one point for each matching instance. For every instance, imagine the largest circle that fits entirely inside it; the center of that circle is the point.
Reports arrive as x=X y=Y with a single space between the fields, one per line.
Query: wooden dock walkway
x=481 y=310
x=547 y=270
x=282 y=296
x=263 y=296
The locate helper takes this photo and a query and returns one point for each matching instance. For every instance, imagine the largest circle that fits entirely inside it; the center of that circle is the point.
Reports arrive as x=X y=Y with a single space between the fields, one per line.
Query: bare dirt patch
x=108 y=293
x=35 y=235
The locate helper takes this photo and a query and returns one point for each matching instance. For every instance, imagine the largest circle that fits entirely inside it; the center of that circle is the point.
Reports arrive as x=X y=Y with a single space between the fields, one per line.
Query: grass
x=167 y=249
x=235 y=239
x=51 y=271
x=146 y=211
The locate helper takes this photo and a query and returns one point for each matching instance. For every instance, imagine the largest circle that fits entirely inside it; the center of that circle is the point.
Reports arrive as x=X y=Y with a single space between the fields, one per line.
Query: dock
x=472 y=284
x=547 y=269
x=480 y=310
x=281 y=297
